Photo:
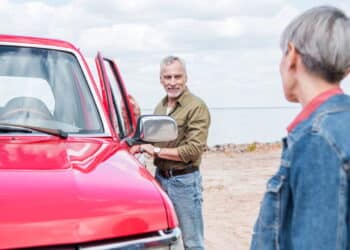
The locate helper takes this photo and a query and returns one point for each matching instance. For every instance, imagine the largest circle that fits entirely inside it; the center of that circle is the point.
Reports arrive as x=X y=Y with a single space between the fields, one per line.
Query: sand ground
x=234 y=181
x=233 y=187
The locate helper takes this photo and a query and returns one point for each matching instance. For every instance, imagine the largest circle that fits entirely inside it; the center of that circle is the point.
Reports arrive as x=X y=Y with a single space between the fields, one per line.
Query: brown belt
x=174 y=172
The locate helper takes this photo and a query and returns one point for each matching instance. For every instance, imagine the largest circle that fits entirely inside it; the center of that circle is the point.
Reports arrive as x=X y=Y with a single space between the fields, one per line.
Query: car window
x=123 y=123
x=46 y=88
x=26 y=86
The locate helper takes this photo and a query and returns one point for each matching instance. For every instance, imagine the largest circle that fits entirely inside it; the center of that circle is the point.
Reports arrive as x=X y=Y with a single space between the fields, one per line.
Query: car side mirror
x=154 y=128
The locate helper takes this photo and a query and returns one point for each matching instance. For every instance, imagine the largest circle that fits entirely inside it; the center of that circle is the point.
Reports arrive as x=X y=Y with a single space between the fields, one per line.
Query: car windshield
x=46 y=88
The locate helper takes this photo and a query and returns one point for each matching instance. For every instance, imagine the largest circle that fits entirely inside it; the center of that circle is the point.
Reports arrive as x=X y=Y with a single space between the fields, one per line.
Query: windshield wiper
x=12 y=127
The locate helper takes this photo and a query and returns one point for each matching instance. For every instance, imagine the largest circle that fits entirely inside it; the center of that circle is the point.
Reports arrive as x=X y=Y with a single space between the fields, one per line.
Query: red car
x=67 y=178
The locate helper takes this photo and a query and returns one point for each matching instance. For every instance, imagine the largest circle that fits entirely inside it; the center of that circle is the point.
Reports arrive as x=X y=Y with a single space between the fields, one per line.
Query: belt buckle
x=169 y=173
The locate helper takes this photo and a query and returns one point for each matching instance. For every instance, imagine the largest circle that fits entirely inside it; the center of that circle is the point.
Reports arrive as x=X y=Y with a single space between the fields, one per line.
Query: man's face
x=173 y=78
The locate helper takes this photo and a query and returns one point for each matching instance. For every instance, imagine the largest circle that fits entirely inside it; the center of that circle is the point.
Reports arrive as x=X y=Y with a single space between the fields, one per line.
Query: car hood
x=69 y=191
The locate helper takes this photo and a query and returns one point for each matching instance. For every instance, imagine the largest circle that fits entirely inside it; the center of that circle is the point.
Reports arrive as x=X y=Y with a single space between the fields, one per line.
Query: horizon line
x=244 y=107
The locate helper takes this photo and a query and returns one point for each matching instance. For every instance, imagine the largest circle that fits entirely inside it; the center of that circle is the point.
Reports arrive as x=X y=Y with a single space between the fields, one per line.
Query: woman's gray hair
x=321 y=35
x=170 y=60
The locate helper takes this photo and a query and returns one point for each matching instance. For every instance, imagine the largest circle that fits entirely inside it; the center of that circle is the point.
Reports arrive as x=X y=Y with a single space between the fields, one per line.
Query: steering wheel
x=25 y=107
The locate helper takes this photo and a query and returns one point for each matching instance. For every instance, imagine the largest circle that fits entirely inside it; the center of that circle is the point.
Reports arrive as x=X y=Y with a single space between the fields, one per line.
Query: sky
x=231 y=47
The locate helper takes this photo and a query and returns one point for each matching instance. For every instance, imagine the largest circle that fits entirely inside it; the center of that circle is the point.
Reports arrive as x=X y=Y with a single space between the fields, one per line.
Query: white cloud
x=162 y=10
x=121 y=37
x=25 y=18
x=231 y=47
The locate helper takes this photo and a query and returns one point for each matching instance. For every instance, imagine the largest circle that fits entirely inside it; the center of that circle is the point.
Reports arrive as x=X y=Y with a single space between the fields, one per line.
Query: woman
x=306 y=205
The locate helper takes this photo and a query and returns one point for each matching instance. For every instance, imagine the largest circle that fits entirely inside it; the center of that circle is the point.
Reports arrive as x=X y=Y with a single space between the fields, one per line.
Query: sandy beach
x=234 y=181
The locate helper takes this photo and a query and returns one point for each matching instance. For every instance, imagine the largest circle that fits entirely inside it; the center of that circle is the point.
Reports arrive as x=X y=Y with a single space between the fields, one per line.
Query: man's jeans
x=185 y=191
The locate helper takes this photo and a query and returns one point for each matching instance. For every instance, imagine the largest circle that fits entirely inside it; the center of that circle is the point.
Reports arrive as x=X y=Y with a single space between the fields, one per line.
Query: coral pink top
x=313 y=105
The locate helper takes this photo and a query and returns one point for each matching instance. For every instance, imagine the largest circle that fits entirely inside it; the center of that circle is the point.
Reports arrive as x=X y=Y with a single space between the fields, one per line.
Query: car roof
x=36 y=41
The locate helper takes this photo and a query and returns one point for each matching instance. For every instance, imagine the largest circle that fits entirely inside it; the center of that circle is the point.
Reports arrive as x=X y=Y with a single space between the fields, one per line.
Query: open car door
x=115 y=98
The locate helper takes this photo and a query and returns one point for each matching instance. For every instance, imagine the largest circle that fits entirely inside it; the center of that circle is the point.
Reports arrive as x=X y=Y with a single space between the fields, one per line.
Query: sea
x=249 y=124
x=240 y=125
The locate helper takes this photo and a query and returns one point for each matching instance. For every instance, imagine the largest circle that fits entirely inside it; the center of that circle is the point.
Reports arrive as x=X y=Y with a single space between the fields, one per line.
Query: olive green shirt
x=193 y=119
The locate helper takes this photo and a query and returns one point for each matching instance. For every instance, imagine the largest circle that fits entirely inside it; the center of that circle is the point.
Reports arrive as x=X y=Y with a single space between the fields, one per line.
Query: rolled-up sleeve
x=196 y=134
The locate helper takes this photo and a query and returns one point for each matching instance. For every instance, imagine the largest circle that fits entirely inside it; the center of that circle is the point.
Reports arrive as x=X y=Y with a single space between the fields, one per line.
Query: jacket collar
x=312 y=106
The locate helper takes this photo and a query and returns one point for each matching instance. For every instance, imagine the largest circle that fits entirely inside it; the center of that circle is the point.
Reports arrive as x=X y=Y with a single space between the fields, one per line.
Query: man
x=307 y=203
x=178 y=161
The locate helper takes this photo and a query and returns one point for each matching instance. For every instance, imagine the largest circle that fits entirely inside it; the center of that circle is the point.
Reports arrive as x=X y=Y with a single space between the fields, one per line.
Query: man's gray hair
x=170 y=60
x=321 y=35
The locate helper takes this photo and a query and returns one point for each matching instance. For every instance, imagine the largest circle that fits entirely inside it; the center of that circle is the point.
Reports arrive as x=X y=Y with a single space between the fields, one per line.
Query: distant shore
x=246 y=147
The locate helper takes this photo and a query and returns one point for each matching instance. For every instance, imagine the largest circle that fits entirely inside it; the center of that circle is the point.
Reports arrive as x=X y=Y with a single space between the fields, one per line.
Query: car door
x=115 y=98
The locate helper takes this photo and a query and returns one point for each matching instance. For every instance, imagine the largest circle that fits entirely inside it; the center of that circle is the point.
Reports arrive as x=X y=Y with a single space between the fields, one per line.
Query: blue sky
x=231 y=47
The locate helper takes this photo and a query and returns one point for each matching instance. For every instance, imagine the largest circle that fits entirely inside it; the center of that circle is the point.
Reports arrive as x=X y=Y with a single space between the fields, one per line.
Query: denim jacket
x=306 y=204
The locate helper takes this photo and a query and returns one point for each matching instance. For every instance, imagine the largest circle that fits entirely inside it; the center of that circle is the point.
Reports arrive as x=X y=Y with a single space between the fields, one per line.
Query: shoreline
x=244 y=147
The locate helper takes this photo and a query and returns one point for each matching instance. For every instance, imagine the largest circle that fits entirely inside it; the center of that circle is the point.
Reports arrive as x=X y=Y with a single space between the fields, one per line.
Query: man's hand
x=143 y=148
x=148 y=149
x=135 y=149
x=165 y=153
